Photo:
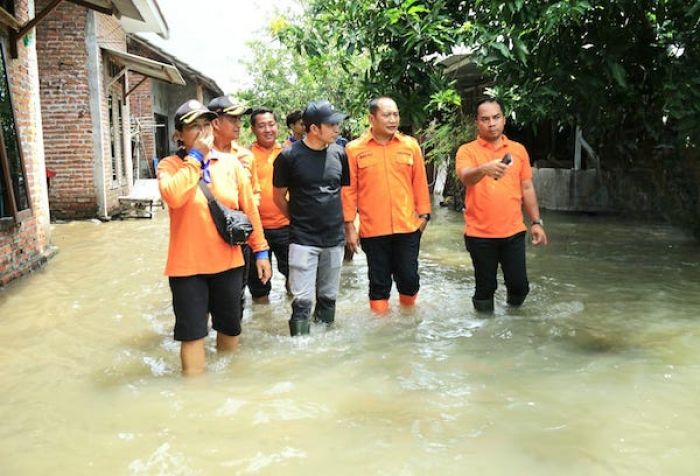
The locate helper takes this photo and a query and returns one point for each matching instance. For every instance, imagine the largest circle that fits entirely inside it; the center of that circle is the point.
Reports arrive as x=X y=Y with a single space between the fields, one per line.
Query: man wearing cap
x=205 y=272
x=295 y=124
x=497 y=176
x=389 y=189
x=227 y=130
x=276 y=225
x=312 y=171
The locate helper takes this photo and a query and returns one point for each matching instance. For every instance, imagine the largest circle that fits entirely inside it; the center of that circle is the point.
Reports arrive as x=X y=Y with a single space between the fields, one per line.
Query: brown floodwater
x=599 y=373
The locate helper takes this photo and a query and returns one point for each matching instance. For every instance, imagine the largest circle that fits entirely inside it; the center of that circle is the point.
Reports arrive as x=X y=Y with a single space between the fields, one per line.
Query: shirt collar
x=488 y=145
x=258 y=146
x=369 y=136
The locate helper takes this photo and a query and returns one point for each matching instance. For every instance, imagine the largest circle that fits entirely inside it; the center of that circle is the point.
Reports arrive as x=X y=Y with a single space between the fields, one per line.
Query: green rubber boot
x=327 y=316
x=299 y=327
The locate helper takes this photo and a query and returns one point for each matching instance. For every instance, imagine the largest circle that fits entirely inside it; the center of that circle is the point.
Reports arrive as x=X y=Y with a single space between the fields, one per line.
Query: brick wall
x=65 y=107
x=67 y=116
x=25 y=246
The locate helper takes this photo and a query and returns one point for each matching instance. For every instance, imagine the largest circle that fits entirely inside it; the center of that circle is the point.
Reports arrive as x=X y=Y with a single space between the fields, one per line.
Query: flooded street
x=599 y=373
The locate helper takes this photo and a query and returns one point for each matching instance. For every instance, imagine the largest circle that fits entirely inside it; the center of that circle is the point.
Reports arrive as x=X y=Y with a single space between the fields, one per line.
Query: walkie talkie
x=507 y=159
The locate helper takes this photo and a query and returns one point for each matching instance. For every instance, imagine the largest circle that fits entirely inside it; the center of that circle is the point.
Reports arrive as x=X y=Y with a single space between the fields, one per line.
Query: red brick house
x=84 y=83
x=24 y=214
x=55 y=100
x=153 y=103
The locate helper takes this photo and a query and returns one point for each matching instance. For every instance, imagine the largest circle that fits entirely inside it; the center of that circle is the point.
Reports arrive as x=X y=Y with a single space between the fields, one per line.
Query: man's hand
x=423 y=224
x=351 y=239
x=264 y=270
x=539 y=237
x=494 y=169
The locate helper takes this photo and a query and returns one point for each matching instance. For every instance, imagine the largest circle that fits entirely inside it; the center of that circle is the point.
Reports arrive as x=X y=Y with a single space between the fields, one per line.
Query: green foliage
x=285 y=80
x=626 y=71
x=397 y=37
x=441 y=139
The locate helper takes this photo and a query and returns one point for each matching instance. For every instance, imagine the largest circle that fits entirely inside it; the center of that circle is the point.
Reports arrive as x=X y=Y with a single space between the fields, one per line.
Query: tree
x=285 y=80
x=627 y=71
x=398 y=37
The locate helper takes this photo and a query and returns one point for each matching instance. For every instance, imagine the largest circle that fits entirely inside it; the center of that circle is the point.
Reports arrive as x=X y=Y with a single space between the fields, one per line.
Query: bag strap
x=205 y=190
x=207 y=193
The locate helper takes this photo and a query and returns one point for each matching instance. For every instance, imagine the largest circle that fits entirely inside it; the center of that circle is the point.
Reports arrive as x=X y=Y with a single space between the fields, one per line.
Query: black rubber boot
x=298 y=327
x=513 y=300
x=483 y=305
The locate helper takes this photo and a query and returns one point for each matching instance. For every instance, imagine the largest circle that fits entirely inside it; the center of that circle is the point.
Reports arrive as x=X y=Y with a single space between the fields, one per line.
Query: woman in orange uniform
x=205 y=272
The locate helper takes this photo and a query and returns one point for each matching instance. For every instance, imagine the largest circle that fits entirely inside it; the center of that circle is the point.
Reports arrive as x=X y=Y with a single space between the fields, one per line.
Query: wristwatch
x=425 y=216
x=538 y=222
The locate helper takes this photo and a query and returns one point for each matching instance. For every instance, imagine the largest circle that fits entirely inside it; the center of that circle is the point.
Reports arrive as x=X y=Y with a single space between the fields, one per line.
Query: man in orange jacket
x=389 y=189
x=276 y=225
x=497 y=176
x=227 y=130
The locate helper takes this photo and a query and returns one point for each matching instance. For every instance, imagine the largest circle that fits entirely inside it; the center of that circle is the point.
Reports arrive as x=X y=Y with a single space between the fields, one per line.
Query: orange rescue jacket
x=388 y=185
x=195 y=245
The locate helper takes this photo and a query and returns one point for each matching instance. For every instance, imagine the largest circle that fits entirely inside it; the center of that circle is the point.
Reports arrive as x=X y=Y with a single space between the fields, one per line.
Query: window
x=9 y=6
x=116 y=137
x=162 y=137
x=115 y=112
x=14 y=196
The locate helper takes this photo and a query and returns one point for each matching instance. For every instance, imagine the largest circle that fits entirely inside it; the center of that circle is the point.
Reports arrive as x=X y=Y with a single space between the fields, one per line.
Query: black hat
x=190 y=111
x=228 y=105
x=322 y=112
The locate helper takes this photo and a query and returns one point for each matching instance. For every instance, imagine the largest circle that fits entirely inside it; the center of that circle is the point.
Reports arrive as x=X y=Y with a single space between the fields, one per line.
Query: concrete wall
x=25 y=245
x=110 y=34
x=571 y=190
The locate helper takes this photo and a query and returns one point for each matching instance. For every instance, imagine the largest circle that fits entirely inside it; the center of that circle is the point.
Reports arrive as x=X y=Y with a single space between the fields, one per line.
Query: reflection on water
x=597 y=374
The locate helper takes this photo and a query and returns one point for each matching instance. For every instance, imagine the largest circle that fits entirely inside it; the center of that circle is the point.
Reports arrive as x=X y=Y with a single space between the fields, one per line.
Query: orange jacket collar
x=369 y=136
x=276 y=146
x=489 y=145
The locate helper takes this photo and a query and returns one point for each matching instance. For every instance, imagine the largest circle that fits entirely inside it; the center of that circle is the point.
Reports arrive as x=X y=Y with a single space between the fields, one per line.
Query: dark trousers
x=278 y=239
x=487 y=254
x=195 y=297
x=392 y=256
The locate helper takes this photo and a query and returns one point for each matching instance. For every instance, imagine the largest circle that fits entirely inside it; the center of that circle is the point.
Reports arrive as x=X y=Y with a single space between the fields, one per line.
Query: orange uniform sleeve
x=246 y=202
x=421 y=192
x=178 y=185
x=526 y=169
x=464 y=158
x=255 y=180
x=349 y=192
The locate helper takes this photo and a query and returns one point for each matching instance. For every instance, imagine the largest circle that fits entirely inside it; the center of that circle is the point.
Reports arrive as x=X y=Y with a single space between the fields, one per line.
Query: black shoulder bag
x=233 y=225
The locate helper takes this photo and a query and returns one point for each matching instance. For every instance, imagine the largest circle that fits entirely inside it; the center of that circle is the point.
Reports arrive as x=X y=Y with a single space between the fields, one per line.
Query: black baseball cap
x=228 y=105
x=322 y=112
x=190 y=111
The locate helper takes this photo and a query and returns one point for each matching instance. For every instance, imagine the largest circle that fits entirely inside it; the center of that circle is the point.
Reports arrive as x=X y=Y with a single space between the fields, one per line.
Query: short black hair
x=293 y=117
x=260 y=110
x=488 y=99
x=374 y=104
